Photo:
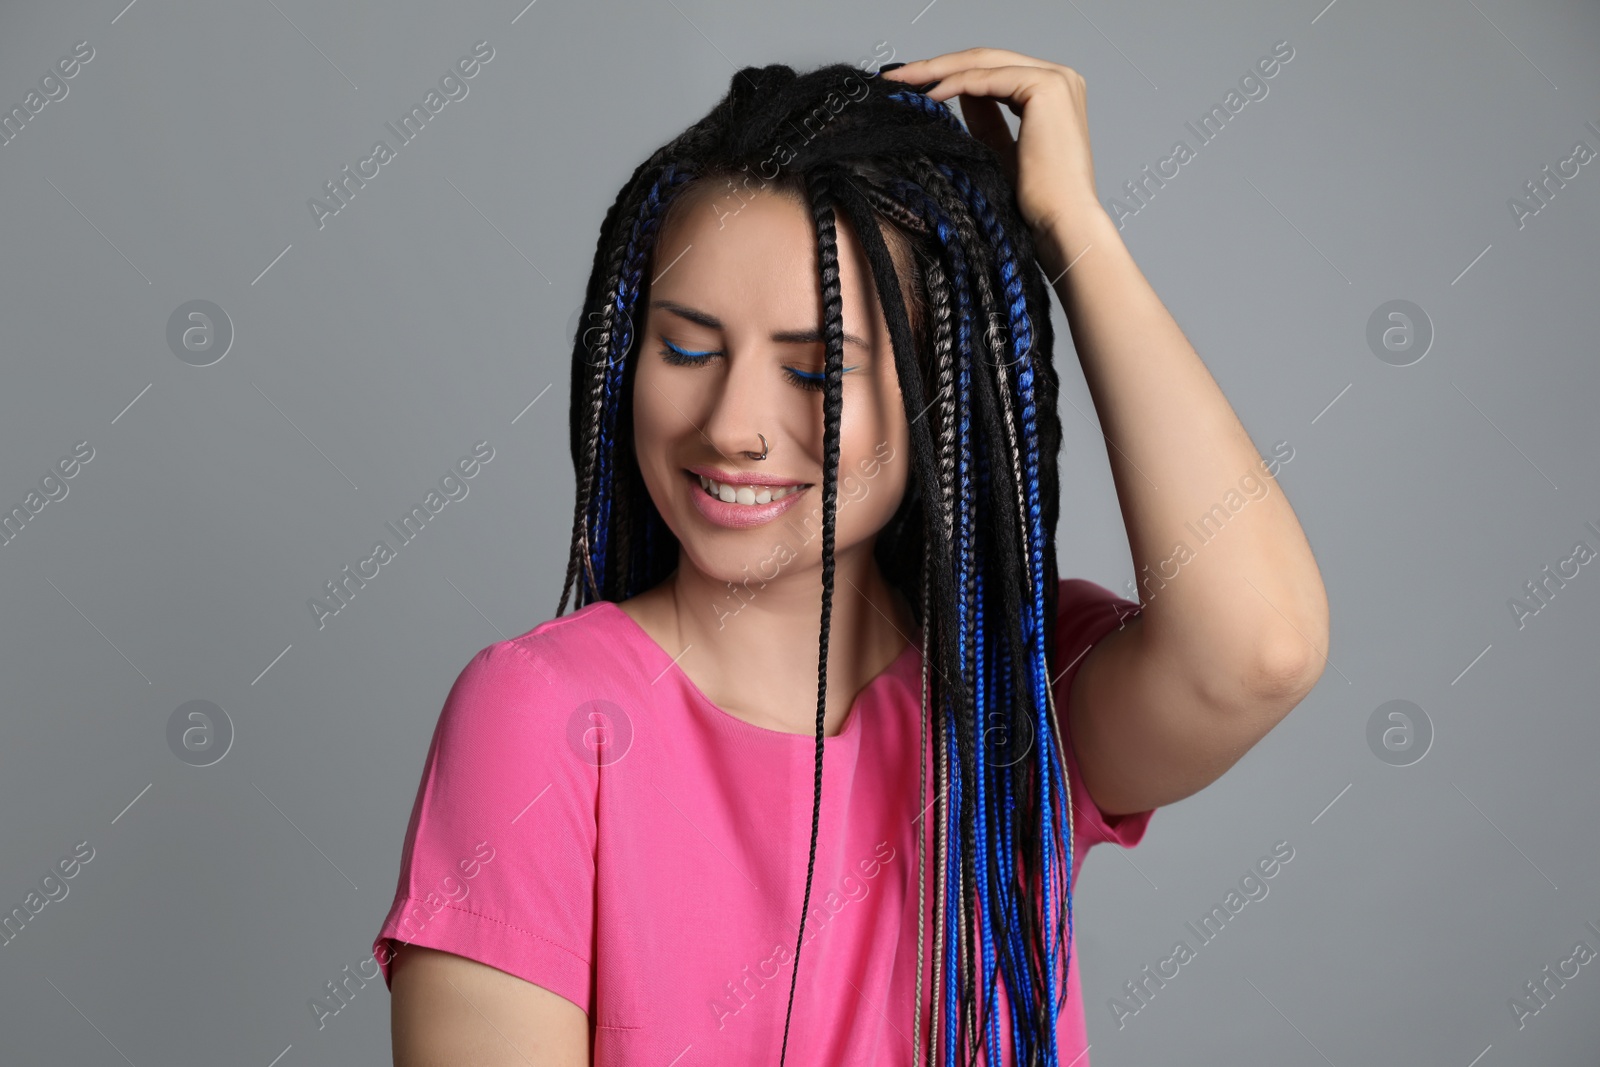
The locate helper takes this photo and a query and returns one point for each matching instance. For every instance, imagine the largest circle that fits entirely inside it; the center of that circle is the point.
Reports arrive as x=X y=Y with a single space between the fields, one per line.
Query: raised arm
x=1234 y=631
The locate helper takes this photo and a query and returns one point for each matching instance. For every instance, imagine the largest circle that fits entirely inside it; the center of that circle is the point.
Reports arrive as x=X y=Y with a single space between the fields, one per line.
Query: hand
x=1049 y=161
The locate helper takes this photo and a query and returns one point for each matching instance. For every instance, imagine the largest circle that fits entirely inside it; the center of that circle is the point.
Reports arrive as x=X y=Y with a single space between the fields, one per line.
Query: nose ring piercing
x=765 y=448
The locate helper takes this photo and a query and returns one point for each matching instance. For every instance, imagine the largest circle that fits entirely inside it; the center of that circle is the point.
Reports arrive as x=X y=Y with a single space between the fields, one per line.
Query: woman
x=816 y=369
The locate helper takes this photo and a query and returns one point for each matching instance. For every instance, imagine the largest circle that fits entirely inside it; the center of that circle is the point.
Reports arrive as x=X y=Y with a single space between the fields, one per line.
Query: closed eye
x=812 y=382
x=673 y=354
x=680 y=357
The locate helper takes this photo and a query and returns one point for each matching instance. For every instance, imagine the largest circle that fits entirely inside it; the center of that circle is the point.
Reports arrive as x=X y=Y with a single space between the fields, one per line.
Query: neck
x=752 y=649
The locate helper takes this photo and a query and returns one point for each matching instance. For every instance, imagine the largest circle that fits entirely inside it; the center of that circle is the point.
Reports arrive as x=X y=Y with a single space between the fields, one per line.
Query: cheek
x=654 y=423
x=892 y=433
x=875 y=427
x=660 y=407
x=867 y=499
x=870 y=486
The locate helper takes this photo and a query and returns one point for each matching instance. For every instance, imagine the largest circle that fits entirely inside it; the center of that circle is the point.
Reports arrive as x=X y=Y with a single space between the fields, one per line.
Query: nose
x=745 y=408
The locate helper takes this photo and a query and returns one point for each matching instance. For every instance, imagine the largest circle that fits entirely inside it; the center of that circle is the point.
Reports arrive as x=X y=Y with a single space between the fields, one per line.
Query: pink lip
x=745 y=477
x=739 y=516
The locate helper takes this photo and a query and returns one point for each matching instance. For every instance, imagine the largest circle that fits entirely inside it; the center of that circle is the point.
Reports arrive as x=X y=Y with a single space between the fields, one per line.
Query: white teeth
x=745 y=494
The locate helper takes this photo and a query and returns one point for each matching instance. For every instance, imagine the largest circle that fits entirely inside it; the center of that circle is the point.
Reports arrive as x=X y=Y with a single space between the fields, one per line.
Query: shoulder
x=561 y=651
x=529 y=679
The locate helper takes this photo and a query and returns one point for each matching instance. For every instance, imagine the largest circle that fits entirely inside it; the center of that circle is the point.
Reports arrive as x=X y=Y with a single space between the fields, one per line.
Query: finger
x=940 y=65
x=1014 y=86
x=936 y=67
x=985 y=122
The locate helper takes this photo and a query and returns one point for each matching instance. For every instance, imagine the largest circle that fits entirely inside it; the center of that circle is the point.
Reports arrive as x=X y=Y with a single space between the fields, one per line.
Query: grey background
x=433 y=310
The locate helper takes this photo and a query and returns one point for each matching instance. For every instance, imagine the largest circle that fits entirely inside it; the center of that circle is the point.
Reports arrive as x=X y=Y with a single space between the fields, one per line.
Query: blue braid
x=1051 y=774
x=981 y=850
x=996 y=902
x=930 y=107
x=1021 y=1000
x=636 y=253
x=965 y=549
x=1052 y=777
x=952 y=890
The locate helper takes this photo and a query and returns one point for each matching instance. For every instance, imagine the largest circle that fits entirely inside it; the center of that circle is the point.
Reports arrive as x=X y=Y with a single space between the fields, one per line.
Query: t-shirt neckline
x=913 y=648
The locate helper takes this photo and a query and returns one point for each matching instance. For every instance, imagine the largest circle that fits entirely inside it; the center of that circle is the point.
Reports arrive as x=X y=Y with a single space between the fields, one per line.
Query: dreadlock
x=972 y=543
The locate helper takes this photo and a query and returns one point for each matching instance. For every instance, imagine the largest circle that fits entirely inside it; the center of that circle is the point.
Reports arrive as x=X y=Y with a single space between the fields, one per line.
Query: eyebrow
x=694 y=315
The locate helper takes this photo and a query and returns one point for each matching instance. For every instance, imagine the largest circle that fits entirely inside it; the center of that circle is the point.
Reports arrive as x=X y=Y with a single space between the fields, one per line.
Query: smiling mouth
x=744 y=494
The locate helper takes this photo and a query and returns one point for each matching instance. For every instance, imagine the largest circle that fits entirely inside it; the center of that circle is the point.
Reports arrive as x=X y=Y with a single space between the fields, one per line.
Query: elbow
x=1290 y=651
x=1266 y=683
x=1286 y=668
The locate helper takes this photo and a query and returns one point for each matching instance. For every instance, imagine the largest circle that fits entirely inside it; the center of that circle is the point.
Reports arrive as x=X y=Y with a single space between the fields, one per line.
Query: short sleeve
x=1086 y=612
x=498 y=862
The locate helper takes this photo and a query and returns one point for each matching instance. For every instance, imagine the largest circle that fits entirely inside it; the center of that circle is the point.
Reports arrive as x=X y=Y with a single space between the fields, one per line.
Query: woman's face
x=731 y=349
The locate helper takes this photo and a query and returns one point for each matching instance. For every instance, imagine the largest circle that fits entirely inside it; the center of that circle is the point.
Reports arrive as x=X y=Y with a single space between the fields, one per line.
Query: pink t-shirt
x=591 y=822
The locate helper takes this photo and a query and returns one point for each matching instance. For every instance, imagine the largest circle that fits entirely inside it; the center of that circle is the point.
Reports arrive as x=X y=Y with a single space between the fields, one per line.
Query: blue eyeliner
x=684 y=352
x=680 y=356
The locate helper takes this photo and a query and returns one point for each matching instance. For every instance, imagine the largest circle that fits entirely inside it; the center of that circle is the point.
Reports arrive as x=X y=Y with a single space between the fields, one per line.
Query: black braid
x=592 y=341
x=832 y=411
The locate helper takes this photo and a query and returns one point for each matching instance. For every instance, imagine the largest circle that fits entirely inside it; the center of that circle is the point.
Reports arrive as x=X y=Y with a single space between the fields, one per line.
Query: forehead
x=754 y=260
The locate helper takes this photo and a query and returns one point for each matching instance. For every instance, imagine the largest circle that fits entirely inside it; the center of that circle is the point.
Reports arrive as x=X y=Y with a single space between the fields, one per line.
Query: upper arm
x=1144 y=734
x=446 y=1010
x=494 y=904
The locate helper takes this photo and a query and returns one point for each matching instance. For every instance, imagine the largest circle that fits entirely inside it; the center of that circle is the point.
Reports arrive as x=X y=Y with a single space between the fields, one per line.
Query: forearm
x=1233 y=595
